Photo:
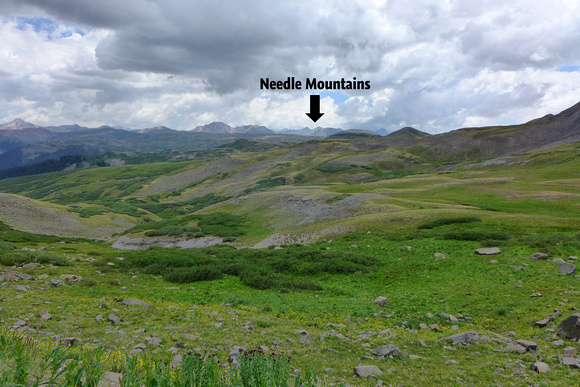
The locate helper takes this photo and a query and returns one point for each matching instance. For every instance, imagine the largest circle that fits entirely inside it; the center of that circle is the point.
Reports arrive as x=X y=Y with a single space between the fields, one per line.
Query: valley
x=295 y=244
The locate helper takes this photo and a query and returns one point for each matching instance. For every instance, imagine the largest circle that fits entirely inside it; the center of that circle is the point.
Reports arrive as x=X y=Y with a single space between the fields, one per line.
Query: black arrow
x=314 y=108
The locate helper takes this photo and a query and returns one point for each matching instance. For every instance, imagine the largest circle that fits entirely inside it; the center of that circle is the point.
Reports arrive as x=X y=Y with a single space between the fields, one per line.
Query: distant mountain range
x=24 y=143
x=317 y=132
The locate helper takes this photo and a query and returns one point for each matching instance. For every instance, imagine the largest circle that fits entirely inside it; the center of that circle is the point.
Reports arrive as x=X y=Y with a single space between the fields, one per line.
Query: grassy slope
x=526 y=203
x=493 y=295
x=328 y=185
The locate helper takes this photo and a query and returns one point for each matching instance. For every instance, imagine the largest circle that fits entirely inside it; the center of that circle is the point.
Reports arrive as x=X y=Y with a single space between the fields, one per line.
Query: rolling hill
x=318 y=188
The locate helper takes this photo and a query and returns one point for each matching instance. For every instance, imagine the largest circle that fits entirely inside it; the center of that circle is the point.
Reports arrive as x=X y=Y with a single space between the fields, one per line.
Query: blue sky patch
x=569 y=68
x=42 y=24
x=337 y=96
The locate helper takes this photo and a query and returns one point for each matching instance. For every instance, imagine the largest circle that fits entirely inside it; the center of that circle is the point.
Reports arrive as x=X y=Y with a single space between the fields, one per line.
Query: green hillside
x=320 y=188
x=339 y=222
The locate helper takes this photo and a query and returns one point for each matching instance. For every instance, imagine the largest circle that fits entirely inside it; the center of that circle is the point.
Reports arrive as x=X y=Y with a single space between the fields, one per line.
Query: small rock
x=435 y=327
x=558 y=260
x=558 y=343
x=463 y=338
x=380 y=301
x=111 y=379
x=515 y=347
x=528 y=345
x=45 y=315
x=114 y=319
x=488 y=251
x=71 y=277
x=570 y=362
x=540 y=367
x=440 y=255
x=191 y=337
x=366 y=371
x=539 y=256
x=155 y=341
x=304 y=340
x=386 y=351
x=570 y=351
x=566 y=268
x=542 y=323
x=56 y=283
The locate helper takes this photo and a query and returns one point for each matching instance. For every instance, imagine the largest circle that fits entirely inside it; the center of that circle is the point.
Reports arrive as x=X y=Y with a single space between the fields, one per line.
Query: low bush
x=6 y=246
x=288 y=268
x=475 y=236
x=446 y=221
x=193 y=274
x=19 y=257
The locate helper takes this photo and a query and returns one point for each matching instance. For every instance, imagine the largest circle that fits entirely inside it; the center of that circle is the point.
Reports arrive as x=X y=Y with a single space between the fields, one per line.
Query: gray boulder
x=540 y=367
x=463 y=338
x=366 y=371
x=566 y=268
x=569 y=328
x=539 y=256
x=114 y=319
x=528 y=345
x=386 y=351
x=15 y=276
x=571 y=362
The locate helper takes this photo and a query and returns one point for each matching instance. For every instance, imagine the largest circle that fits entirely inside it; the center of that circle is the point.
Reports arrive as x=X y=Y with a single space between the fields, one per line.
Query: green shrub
x=221 y=224
x=257 y=280
x=194 y=274
x=18 y=257
x=331 y=168
x=475 y=236
x=6 y=246
x=446 y=221
x=266 y=184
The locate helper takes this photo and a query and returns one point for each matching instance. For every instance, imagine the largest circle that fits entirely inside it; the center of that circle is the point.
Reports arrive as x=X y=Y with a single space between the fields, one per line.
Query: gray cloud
x=432 y=64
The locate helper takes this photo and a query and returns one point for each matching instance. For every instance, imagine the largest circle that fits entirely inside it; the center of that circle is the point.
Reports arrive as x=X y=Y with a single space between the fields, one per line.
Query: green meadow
x=338 y=225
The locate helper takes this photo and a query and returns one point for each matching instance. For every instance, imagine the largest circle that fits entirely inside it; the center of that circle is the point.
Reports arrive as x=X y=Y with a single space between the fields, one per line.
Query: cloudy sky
x=435 y=65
